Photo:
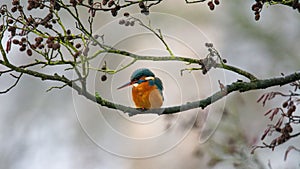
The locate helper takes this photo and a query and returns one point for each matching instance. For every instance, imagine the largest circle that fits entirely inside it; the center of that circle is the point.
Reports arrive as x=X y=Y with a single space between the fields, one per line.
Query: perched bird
x=147 y=89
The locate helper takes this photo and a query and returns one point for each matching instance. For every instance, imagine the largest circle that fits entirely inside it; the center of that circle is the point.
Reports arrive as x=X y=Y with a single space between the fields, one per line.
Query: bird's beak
x=125 y=85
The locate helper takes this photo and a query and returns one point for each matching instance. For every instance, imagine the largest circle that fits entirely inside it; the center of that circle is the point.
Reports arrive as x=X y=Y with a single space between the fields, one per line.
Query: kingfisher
x=147 y=89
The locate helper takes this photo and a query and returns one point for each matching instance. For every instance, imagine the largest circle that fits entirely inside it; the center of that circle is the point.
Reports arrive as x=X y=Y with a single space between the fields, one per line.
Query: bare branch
x=13 y=85
x=288 y=150
x=236 y=86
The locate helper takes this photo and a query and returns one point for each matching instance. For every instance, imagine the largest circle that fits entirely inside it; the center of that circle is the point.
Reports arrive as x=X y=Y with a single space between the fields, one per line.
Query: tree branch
x=12 y=86
x=236 y=86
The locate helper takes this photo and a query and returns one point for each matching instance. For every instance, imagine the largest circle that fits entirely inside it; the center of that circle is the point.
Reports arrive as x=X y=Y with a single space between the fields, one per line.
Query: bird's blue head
x=137 y=74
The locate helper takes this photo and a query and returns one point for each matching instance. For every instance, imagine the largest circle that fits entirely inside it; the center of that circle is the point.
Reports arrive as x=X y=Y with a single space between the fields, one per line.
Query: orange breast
x=146 y=96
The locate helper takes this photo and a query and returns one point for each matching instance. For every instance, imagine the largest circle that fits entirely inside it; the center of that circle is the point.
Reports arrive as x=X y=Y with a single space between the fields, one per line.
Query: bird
x=147 y=90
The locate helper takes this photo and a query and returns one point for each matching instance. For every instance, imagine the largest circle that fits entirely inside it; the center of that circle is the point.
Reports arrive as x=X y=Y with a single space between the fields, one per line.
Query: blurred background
x=61 y=130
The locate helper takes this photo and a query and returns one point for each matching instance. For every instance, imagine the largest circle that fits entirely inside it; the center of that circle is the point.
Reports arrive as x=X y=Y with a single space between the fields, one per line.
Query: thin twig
x=13 y=85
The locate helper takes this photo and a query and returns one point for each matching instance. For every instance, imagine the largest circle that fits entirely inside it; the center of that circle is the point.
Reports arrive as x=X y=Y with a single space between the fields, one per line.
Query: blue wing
x=158 y=83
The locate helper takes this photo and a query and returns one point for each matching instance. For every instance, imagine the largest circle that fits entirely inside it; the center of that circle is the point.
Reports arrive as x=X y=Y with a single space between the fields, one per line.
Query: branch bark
x=234 y=87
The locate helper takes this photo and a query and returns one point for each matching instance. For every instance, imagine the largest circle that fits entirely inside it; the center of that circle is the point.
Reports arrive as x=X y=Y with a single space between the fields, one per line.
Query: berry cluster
x=211 y=60
x=23 y=45
x=104 y=68
x=19 y=33
x=112 y=5
x=127 y=22
x=144 y=8
x=211 y=4
x=257 y=7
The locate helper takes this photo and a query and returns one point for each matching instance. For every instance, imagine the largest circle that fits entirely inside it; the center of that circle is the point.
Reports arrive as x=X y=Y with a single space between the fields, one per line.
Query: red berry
x=29 y=52
x=257 y=16
x=103 y=78
x=211 y=5
x=217 y=2
x=126 y=14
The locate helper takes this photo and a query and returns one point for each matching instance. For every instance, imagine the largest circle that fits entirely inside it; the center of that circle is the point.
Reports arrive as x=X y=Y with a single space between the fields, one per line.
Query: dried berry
x=288 y=128
x=209 y=45
x=20 y=8
x=104 y=2
x=10 y=21
x=15 y=41
x=2 y=11
x=56 y=46
x=122 y=21
x=217 y=2
x=57 y=6
x=132 y=23
x=257 y=16
x=259 y=4
x=73 y=2
x=68 y=31
x=291 y=111
x=22 y=48
x=145 y=11
x=15 y=2
x=38 y=39
x=23 y=39
x=50 y=45
x=78 y=45
x=211 y=5
x=51 y=38
x=253 y=7
x=103 y=78
x=285 y=104
x=111 y=3
x=127 y=23
x=48 y=26
x=42 y=6
x=29 y=52
x=14 y=9
x=142 y=5
x=29 y=7
x=90 y=2
x=114 y=12
x=126 y=14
